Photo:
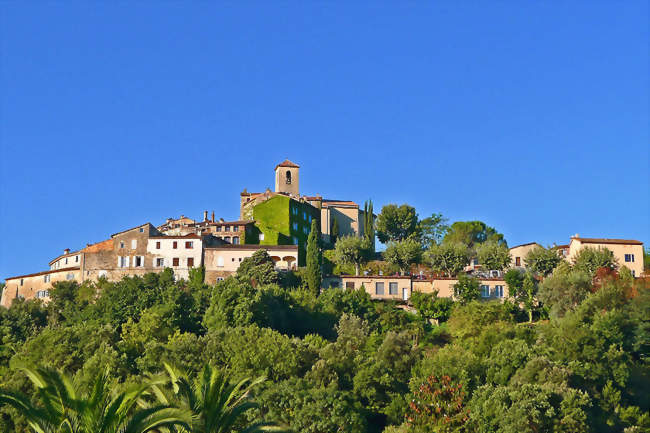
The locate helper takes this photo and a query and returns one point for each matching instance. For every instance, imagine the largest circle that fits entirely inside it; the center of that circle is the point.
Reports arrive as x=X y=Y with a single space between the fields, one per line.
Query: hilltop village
x=278 y=222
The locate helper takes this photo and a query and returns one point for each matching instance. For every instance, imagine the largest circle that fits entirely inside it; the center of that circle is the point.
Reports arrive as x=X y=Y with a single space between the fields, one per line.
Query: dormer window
x=288 y=177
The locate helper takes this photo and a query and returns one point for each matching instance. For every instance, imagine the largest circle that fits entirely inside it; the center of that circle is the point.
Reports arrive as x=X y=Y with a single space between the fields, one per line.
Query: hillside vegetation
x=339 y=362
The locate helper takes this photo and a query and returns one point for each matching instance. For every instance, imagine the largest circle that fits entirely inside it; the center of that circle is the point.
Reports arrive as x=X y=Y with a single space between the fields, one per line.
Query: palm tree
x=59 y=407
x=215 y=404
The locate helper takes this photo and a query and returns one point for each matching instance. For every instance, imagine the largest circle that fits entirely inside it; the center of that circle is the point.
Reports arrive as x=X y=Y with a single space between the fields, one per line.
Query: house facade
x=628 y=253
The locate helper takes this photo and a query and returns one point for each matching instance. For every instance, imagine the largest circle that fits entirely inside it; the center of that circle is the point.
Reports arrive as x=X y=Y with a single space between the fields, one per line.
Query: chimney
x=66 y=251
x=221 y=220
x=205 y=215
x=577 y=235
x=212 y=216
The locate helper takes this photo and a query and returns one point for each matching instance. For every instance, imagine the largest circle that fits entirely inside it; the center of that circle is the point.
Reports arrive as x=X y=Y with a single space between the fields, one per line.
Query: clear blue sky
x=530 y=116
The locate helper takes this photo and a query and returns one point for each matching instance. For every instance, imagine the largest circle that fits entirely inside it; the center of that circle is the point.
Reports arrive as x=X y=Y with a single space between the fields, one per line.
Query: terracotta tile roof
x=334 y=203
x=525 y=245
x=287 y=163
x=99 y=246
x=561 y=246
x=187 y=236
x=608 y=241
x=53 y=271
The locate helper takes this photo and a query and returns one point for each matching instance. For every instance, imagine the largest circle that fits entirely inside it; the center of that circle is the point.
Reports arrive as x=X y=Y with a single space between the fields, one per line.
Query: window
x=517 y=261
x=141 y=229
x=220 y=262
x=304 y=214
x=175 y=261
x=349 y=285
x=227 y=228
x=295 y=226
x=21 y=281
x=157 y=245
x=123 y=262
x=66 y=260
x=475 y=262
x=175 y=245
x=392 y=288
x=76 y=259
x=46 y=278
x=633 y=273
x=219 y=278
x=288 y=177
x=69 y=276
x=629 y=258
x=160 y=262
x=498 y=291
x=134 y=244
x=43 y=294
x=227 y=239
x=295 y=240
x=233 y=259
x=121 y=244
x=305 y=230
x=189 y=245
x=235 y=228
x=485 y=291
x=218 y=228
x=190 y=262
x=379 y=288
x=102 y=274
x=138 y=261
x=235 y=240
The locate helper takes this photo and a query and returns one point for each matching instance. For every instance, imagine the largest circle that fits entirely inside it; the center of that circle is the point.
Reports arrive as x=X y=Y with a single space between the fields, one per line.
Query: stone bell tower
x=286 y=178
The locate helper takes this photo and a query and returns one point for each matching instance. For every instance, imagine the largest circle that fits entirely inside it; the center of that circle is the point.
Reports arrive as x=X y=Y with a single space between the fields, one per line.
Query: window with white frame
x=485 y=290
x=121 y=244
x=141 y=229
x=134 y=244
x=219 y=278
x=235 y=240
x=392 y=288
x=138 y=261
x=629 y=258
x=43 y=294
x=220 y=262
x=379 y=288
x=123 y=261
x=46 y=278
x=261 y=236
x=498 y=291
x=160 y=262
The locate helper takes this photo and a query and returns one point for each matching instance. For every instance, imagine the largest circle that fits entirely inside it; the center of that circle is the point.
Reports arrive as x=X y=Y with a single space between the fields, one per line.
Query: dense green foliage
x=542 y=260
x=396 y=223
x=351 y=250
x=493 y=255
x=448 y=259
x=341 y=362
x=471 y=233
x=403 y=253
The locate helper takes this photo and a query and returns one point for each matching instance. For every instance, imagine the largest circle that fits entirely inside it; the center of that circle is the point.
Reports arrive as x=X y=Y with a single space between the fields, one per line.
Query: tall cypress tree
x=334 y=234
x=369 y=225
x=314 y=276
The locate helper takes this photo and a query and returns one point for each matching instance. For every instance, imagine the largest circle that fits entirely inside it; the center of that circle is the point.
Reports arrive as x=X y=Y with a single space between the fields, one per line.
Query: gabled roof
x=525 y=245
x=132 y=228
x=608 y=241
x=52 y=271
x=287 y=163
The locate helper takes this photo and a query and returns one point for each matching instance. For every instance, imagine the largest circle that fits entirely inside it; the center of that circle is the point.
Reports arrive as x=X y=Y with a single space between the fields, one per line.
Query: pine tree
x=314 y=276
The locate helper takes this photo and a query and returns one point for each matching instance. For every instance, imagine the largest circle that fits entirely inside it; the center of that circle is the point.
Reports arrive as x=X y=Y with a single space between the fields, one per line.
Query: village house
x=223 y=261
x=279 y=222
